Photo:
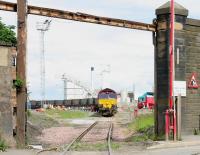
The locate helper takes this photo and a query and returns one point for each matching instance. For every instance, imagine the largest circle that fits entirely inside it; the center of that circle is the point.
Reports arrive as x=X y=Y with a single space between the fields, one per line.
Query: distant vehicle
x=146 y=101
x=107 y=102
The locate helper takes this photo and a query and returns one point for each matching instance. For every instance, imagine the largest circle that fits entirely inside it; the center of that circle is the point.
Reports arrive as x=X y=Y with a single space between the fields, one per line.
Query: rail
x=77 y=139
x=109 y=139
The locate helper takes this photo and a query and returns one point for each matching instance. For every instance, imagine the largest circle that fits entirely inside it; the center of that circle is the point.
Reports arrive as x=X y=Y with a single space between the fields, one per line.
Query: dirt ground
x=50 y=132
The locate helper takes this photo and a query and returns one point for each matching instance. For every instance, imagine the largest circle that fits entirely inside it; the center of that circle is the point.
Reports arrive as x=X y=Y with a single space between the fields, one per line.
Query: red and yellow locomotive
x=107 y=102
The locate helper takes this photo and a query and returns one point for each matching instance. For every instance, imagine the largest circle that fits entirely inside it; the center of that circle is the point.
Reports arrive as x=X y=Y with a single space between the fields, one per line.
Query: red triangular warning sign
x=193 y=82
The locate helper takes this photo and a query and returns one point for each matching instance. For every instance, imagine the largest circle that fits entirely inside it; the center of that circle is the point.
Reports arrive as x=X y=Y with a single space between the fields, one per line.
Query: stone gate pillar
x=162 y=60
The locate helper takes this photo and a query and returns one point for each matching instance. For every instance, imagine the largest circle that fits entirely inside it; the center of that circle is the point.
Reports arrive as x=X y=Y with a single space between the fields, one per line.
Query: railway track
x=109 y=138
x=78 y=139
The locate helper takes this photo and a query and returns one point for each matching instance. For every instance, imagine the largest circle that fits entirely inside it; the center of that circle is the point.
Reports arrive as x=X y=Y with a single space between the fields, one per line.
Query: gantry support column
x=162 y=60
x=21 y=70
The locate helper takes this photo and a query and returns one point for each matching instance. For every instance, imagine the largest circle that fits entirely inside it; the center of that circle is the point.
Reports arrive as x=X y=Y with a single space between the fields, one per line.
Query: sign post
x=179 y=90
x=179 y=116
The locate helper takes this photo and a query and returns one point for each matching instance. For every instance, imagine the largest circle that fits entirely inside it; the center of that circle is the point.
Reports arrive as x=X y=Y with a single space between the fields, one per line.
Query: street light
x=92 y=69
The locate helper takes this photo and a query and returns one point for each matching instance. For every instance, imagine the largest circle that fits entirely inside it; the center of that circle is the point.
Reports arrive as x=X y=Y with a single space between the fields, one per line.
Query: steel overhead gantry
x=22 y=10
x=81 y=17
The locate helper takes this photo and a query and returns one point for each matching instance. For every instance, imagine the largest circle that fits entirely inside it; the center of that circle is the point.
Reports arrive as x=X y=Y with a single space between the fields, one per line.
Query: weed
x=196 y=131
x=3 y=145
x=18 y=83
x=28 y=113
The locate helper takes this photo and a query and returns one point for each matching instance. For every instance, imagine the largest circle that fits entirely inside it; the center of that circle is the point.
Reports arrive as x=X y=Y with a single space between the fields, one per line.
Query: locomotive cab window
x=112 y=95
x=103 y=95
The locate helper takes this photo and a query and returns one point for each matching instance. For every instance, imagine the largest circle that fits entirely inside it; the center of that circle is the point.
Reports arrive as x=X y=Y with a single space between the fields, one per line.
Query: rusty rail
x=109 y=139
x=78 y=16
x=68 y=147
x=77 y=139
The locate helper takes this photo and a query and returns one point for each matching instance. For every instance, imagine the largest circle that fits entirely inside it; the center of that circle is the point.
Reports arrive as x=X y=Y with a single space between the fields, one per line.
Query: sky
x=73 y=47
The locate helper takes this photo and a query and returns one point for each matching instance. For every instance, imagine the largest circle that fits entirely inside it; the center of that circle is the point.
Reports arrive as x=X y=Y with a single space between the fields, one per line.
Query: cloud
x=73 y=47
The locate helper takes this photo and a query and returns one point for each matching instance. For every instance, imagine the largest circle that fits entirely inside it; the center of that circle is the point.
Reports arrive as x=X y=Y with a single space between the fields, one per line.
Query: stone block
x=6 y=83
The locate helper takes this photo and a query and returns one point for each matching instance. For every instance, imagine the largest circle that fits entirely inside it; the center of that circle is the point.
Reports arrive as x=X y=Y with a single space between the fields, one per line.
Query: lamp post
x=92 y=69
x=64 y=78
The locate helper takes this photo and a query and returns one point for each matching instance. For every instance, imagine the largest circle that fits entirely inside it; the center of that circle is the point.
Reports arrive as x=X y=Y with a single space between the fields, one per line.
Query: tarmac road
x=190 y=150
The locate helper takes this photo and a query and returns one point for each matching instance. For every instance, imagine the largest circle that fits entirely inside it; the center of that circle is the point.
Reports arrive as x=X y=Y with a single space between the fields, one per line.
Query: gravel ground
x=55 y=136
x=71 y=128
x=98 y=133
x=120 y=133
x=59 y=135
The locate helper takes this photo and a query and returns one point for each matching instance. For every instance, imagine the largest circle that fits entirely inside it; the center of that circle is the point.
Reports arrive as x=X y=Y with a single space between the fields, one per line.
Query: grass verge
x=36 y=123
x=100 y=146
x=144 y=127
x=67 y=114
x=41 y=120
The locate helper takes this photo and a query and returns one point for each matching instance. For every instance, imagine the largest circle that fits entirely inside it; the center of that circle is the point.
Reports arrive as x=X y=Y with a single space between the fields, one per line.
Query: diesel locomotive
x=107 y=102
x=146 y=101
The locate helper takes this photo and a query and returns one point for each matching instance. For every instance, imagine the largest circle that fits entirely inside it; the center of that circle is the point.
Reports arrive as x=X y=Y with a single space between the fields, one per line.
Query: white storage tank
x=124 y=97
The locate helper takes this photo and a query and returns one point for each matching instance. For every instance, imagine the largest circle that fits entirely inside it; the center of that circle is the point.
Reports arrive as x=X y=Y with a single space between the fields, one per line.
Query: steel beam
x=81 y=17
x=7 y=6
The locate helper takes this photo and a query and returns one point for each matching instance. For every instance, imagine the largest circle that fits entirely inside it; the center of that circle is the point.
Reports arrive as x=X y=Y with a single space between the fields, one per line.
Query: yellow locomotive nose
x=107 y=103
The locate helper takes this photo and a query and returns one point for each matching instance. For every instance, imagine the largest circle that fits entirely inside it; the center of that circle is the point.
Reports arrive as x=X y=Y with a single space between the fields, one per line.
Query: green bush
x=18 y=83
x=7 y=35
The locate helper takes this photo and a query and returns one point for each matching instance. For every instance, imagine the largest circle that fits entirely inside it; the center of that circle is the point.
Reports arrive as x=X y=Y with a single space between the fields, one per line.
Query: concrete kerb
x=172 y=144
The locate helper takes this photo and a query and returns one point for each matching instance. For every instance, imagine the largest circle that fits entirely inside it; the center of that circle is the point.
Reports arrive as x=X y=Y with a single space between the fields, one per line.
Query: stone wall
x=191 y=106
x=187 y=62
x=7 y=70
x=161 y=72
